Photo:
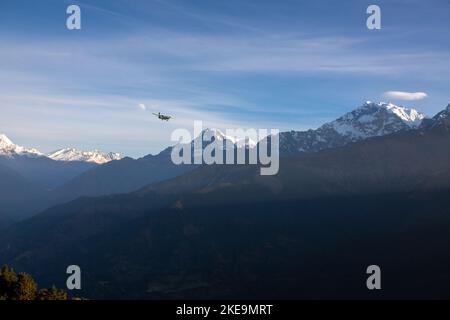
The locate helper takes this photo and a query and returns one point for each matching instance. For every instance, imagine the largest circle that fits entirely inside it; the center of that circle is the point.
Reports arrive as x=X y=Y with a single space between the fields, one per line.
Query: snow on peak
x=238 y=139
x=216 y=133
x=245 y=143
x=411 y=117
x=4 y=141
x=95 y=156
x=369 y=120
x=9 y=149
x=375 y=119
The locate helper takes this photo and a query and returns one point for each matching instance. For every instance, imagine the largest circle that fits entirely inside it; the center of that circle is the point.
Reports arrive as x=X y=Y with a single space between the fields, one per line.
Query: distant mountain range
x=12 y=150
x=70 y=154
x=227 y=232
x=369 y=120
x=68 y=174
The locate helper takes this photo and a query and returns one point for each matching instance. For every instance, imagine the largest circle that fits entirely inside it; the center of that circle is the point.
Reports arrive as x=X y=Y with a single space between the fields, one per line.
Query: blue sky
x=264 y=64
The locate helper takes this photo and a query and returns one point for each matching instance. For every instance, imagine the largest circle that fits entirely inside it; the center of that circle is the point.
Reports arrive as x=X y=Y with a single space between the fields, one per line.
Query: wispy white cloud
x=160 y=55
x=92 y=89
x=403 y=95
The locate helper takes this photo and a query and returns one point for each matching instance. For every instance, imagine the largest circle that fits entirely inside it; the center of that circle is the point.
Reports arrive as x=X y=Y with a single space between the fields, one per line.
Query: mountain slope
x=17 y=195
x=120 y=176
x=439 y=121
x=45 y=172
x=129 y=175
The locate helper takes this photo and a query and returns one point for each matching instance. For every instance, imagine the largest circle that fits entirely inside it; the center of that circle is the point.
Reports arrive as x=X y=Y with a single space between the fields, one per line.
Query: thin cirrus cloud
x=403 y=95
x=148 y=106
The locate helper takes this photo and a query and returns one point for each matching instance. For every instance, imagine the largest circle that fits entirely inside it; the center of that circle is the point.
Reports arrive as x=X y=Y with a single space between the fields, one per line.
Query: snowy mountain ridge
x=211 y=134
x=96 y=156
x=369 y=120
x=11 y=150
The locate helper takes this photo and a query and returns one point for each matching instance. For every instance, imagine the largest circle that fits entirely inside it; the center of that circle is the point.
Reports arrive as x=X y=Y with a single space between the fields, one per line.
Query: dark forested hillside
x=316 y=248
x=17 y=195
x=44 y=172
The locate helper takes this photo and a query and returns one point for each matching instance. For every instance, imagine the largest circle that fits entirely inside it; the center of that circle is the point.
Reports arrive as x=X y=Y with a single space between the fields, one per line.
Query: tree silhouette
x=25 y=288
x=52 y=294
x=22 y=287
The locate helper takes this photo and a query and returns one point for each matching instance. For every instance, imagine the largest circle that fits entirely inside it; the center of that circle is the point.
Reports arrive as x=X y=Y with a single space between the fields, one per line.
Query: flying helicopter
x=162 y=117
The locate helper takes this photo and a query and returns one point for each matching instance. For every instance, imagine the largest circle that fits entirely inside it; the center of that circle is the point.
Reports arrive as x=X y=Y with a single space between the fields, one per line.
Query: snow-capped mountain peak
x=375 y=119
x=9 y=149
x=369 y=120
x=409 y=116
x=211 y=134
x=4 y=141
x=95 y=156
